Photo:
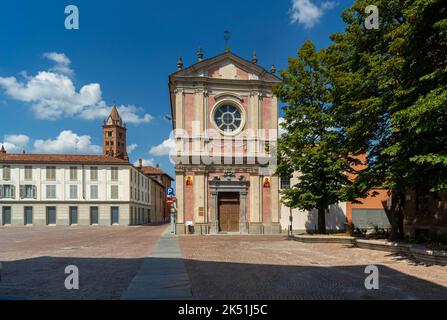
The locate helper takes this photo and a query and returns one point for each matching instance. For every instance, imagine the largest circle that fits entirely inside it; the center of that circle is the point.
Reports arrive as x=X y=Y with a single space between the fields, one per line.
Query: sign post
x=170 y=201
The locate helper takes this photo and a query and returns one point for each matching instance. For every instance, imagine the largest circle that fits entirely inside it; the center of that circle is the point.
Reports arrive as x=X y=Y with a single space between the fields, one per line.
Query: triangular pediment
x=227 y=66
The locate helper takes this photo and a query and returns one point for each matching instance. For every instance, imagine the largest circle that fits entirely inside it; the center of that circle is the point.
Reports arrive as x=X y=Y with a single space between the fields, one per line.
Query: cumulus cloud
x=131 y=148
x=67 y=142
x=62 y=63
x=164 y=149
x=307 y=13
x=52 y=95
x=15 y=143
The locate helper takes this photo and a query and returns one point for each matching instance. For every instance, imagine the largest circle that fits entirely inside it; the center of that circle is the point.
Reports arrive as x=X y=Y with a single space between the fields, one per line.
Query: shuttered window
x=7 y=191
x=114 y=192
x=94 y=173
x=114 y=174
x=51 y=173
x=6 y=173
x=28 y=192
x=73 y=173
x=51 y=192
x=93 y=192
x=73 y=192
x=28 y=173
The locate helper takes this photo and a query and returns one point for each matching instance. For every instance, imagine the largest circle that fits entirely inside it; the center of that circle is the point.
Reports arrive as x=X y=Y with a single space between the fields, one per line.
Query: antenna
x=226 y=38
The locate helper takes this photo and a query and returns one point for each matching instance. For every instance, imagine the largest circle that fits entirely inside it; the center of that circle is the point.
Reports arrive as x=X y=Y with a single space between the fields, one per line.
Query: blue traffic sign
x=170 y=191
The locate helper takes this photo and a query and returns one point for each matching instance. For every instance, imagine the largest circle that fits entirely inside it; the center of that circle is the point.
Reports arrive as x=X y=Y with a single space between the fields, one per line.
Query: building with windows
x=63 y=189
x=225 y=118
x=162 y=181
x=366 y=213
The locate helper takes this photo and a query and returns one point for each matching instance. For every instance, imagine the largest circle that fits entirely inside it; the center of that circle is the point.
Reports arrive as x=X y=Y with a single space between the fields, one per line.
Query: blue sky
x=55 y=84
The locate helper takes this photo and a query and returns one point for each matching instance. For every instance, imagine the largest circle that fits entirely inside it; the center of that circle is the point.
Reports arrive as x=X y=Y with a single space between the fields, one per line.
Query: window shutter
x=1 y=192
x=13 y=191
x=22 y=191
x=34 y=192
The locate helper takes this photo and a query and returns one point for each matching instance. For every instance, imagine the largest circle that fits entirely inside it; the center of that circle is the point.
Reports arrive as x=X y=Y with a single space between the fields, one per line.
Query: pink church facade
x=225 y=120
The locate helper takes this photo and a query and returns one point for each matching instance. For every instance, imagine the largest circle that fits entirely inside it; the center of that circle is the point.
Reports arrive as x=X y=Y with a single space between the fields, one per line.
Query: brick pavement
x=270 y=267
x=34 y=260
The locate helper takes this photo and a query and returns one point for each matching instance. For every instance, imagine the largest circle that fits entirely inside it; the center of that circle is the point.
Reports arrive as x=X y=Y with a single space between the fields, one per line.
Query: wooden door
x=229 y=211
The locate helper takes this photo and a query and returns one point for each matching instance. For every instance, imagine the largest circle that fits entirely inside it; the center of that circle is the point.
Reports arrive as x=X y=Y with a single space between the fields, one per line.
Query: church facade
x=225 y=120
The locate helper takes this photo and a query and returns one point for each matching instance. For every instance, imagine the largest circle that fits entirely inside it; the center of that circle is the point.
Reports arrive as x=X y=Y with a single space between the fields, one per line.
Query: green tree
x=389 y=96
x=311 y=142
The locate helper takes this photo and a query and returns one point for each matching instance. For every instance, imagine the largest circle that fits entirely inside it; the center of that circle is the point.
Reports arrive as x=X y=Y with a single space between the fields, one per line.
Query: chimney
x=273 y=69
x=158 y=166
x=2 y=150
x=140 y=163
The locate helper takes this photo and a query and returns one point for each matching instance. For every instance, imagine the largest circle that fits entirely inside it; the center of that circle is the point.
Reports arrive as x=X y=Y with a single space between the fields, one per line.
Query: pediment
x=227 y=66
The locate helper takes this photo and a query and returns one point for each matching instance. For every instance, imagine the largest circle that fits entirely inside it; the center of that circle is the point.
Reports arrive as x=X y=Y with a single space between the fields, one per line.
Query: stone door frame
x=229 y=183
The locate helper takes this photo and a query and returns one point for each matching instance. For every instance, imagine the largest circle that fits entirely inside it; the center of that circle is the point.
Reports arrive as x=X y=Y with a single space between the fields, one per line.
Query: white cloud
x=146 y=163
x=62 y=63
x=17 y=139
x=131 y=148
x=307 y=13
x=53 y=95
x=67 y=142
x=164 y=149
x=15 y=143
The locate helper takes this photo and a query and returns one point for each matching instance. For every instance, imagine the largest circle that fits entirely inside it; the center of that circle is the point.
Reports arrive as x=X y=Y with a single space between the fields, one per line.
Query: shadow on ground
x=43 y=278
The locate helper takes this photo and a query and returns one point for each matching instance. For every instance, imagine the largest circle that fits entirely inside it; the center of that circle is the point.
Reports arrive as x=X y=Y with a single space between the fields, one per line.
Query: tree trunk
x=397 y=216
x=321 y=220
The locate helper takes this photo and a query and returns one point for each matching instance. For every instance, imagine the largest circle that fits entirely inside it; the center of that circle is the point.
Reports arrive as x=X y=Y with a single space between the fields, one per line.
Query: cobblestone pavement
x=34 y=260
x=271 y=267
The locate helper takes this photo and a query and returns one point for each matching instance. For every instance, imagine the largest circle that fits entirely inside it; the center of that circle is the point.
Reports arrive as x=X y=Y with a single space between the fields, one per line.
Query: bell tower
x=114 y=136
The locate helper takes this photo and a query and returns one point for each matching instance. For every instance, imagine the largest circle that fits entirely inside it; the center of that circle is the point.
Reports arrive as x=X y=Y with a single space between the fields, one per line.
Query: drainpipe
x=83 y=182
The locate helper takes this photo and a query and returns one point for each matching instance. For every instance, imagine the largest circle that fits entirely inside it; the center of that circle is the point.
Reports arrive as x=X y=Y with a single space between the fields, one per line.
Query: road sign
x=170 y=200
x=170 y=191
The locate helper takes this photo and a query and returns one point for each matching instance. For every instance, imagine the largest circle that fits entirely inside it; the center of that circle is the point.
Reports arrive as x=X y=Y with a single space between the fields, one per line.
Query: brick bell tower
x=114 y=136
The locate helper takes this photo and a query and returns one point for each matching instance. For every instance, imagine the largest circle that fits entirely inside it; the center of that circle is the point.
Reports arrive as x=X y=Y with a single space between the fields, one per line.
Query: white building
x=303 y=221
x=40 y=189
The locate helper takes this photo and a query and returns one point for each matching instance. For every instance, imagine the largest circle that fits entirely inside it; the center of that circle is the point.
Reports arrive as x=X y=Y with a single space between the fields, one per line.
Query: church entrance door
x=229 y=211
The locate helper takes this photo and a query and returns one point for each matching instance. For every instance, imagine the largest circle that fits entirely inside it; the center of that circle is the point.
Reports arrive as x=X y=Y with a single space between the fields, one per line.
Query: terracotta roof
x=154 y=171
x=59 y=158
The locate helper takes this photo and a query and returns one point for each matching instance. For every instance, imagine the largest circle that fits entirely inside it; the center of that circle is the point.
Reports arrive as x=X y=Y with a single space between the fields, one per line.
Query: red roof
x=114 y=114
x=154 y=171
x=59 y=158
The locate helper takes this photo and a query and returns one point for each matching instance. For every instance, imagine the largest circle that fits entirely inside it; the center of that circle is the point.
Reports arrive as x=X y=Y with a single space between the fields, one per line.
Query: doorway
x=51 y=215
x=73 y=216
x=229 y=211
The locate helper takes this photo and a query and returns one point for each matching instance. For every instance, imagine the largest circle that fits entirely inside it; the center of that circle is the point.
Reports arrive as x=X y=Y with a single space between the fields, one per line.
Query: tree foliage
x=310 y=144
x=378 y=92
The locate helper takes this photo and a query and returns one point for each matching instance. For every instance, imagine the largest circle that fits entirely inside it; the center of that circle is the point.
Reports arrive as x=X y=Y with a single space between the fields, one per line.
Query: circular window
x=228 y=118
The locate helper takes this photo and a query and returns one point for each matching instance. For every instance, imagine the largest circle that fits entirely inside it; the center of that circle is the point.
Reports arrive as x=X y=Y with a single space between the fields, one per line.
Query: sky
x=57 y=85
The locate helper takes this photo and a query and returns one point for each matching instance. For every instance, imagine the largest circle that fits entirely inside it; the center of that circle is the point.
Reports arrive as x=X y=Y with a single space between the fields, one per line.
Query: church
x=225 y=121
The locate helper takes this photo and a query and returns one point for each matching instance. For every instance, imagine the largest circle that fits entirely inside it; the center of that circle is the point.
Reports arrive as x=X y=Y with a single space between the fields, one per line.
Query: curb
x=418 y=252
